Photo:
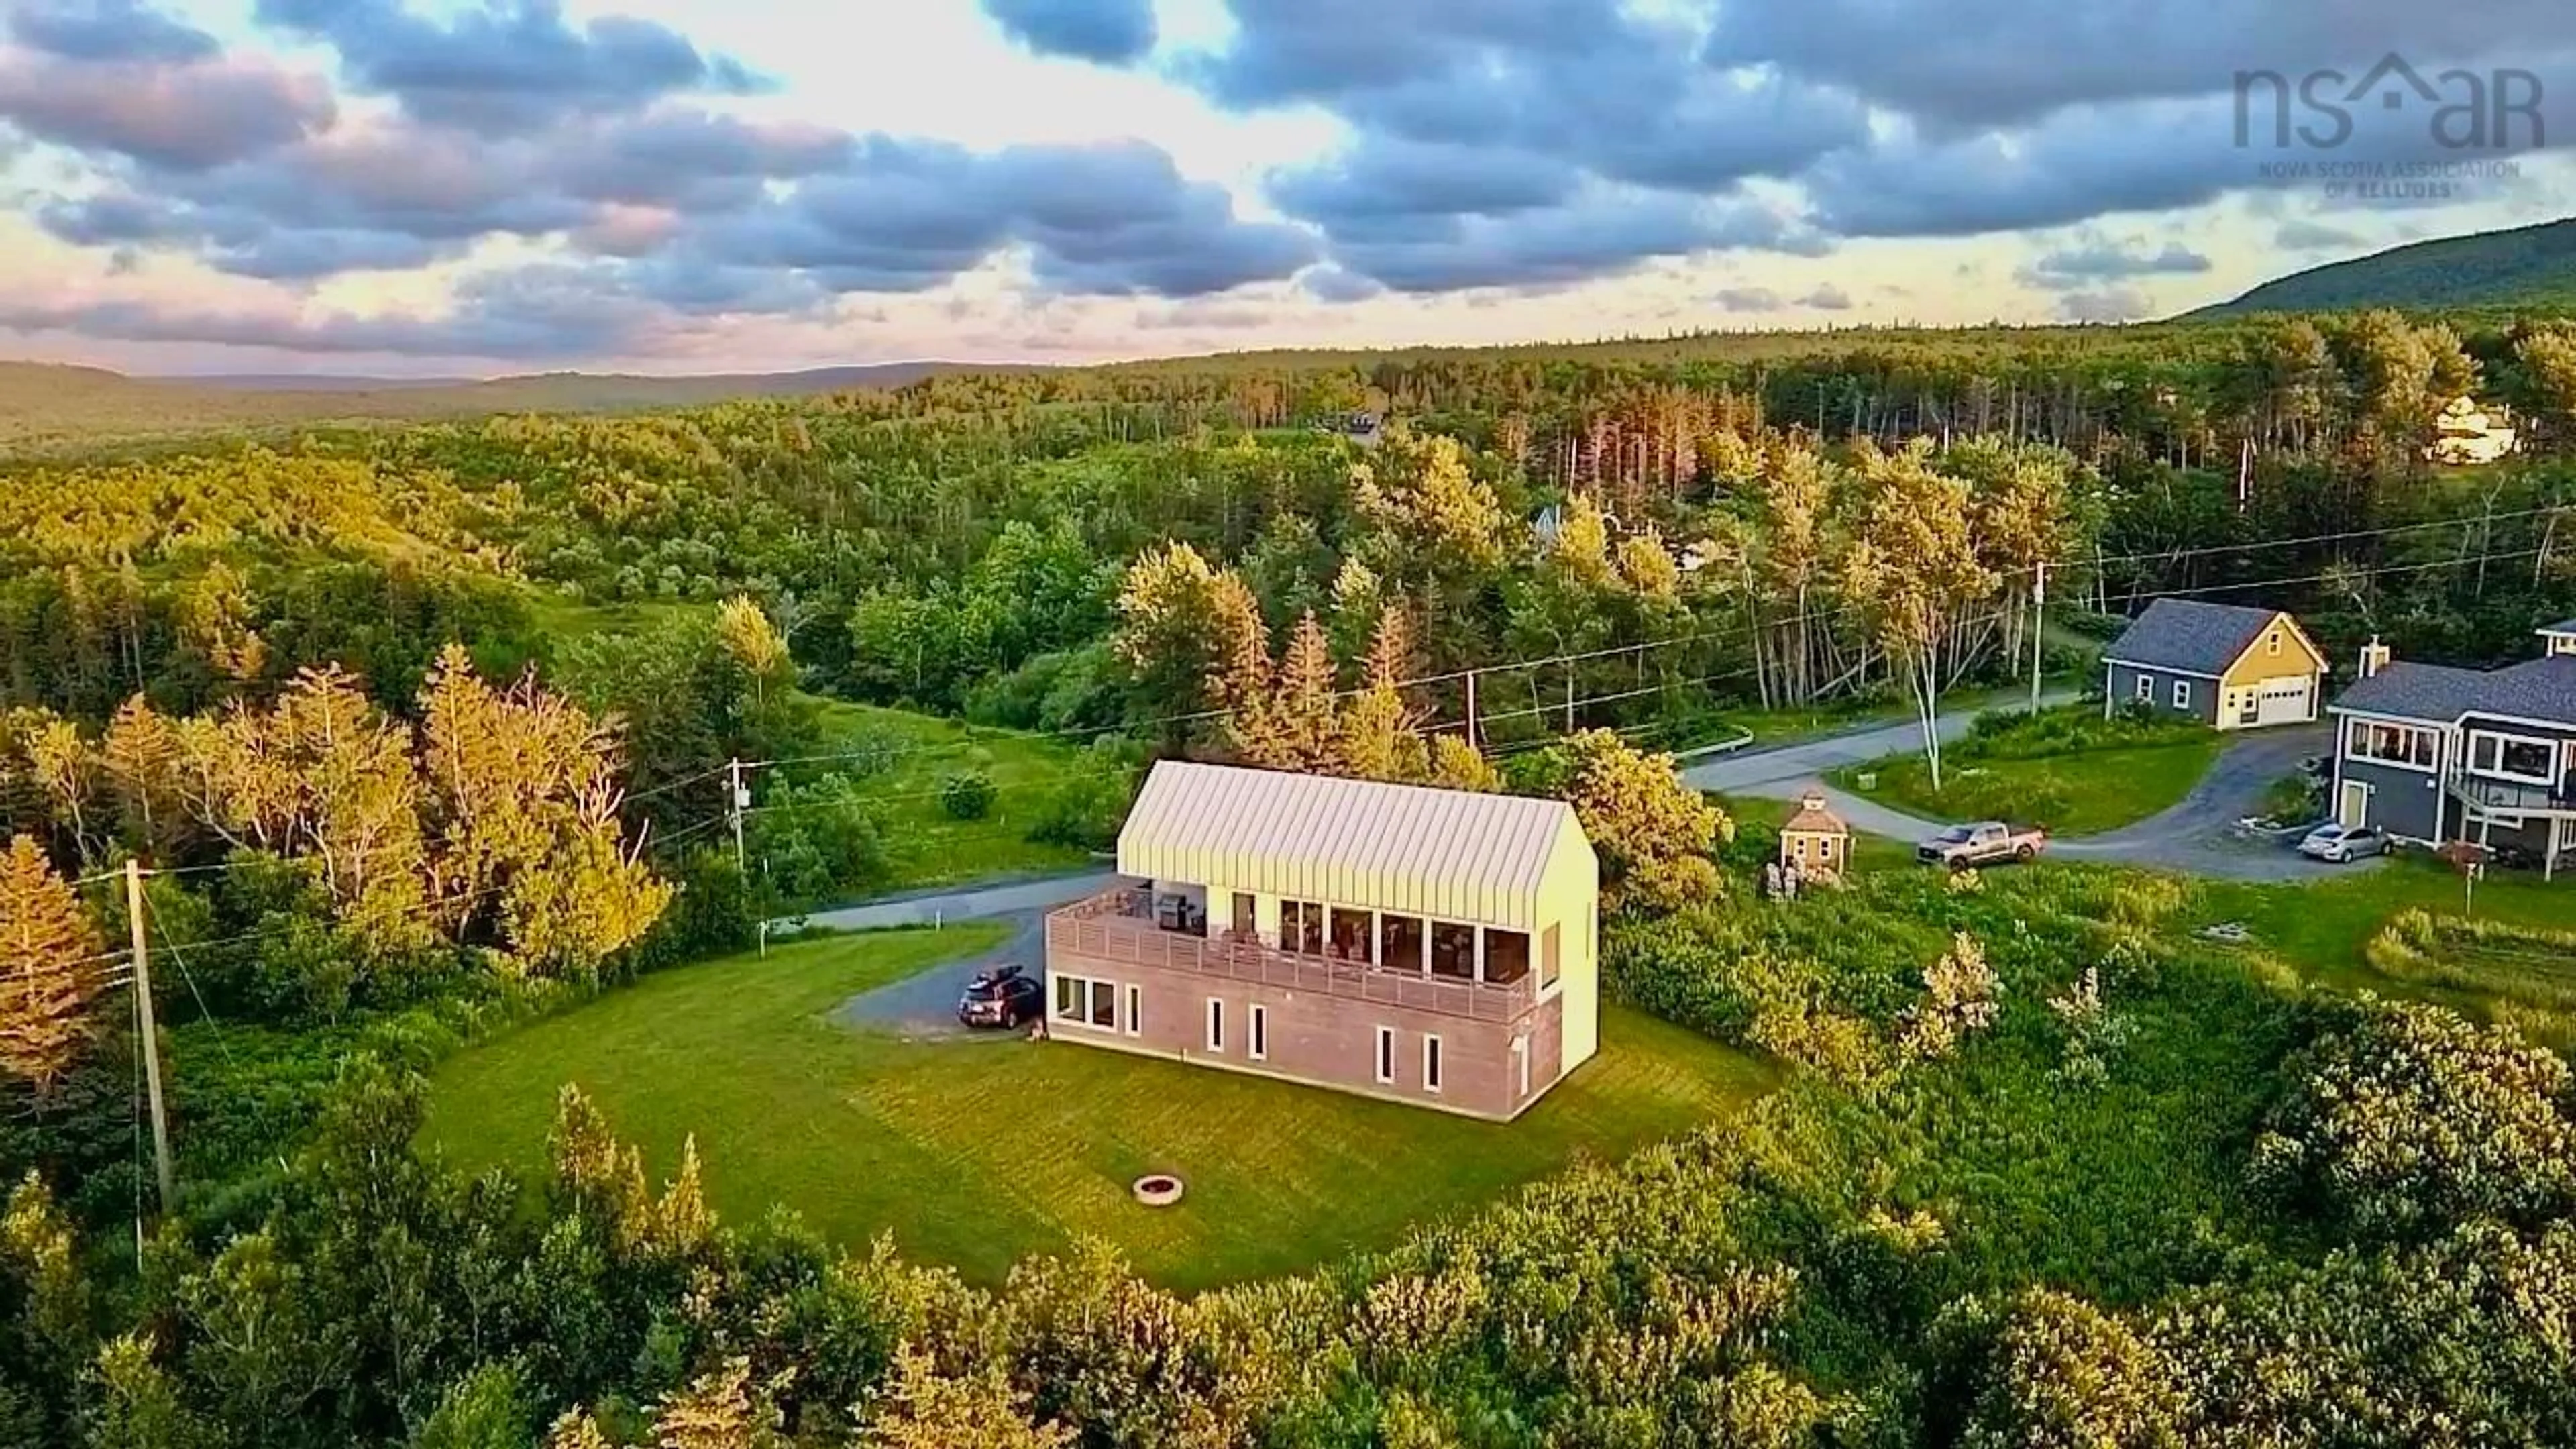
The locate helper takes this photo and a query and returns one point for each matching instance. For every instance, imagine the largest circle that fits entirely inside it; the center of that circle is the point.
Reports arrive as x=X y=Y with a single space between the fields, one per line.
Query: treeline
x=958 y=545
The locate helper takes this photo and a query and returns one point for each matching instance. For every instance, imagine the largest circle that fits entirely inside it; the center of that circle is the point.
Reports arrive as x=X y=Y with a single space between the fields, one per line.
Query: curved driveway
x=2198 y=835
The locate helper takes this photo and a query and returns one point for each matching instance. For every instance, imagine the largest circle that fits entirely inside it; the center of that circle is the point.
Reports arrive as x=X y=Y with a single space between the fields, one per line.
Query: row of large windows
x=2513 y=757
x=1088 y=1001
x=1406 y=943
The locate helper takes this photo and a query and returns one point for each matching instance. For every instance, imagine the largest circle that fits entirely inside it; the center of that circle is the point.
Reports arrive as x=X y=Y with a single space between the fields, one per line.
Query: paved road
x=1775 y=771
x=2199 y=835
x=925 y=1005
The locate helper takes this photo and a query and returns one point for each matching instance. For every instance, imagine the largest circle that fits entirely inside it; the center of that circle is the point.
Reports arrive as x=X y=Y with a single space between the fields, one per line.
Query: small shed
x=1816 y=841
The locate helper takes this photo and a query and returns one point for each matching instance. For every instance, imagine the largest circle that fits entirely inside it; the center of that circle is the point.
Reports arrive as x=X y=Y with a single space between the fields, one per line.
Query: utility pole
x=1471 y=710
x=736 y=797
x=2038 y=621
x=145 y=1028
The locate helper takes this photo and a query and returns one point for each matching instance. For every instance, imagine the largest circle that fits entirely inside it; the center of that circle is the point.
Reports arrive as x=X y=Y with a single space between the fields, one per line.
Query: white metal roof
x=1453 y=854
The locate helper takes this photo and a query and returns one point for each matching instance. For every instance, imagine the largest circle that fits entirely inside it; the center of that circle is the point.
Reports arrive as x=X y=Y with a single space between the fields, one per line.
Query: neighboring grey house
x=2228 y=666
x=2432 y=754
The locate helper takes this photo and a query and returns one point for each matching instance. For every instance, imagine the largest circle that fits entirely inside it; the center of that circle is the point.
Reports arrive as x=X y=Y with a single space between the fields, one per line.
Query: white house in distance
x=2465 y=435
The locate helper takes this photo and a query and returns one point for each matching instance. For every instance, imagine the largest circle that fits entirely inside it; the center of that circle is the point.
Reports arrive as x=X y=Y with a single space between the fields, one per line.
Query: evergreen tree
x=49 y=969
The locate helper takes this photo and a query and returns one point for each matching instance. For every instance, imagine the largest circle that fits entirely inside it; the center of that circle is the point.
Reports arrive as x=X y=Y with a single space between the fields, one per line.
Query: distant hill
x=2531 y=266
x=48 y=405
x=591 y=388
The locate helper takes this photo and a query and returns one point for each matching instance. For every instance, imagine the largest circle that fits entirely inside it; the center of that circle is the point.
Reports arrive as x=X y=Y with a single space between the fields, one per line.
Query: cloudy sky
x=431 y=187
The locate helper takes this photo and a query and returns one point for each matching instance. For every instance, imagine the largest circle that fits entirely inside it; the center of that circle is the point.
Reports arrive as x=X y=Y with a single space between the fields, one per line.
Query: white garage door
x=2290 y=699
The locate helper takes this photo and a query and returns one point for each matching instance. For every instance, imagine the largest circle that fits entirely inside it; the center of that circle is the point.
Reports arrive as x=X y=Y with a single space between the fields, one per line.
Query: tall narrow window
x=2146 y=686
x=1216 y=1025
x=1386 y=1054
x=1520 y=1067
x=1550 y=958
x=1135 y=1010
x=1258 y=1047
x=1431 y=1064
x=1246 y=918
x=2182 y=694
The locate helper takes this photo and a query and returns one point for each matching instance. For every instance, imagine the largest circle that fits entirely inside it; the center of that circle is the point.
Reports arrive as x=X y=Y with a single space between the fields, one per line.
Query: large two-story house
x=1435 y=947
x=2433 y=754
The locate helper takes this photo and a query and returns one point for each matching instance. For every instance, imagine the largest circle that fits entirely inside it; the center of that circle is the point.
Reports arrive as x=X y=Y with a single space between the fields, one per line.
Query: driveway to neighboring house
x=2199 y=835
x=926 y=1005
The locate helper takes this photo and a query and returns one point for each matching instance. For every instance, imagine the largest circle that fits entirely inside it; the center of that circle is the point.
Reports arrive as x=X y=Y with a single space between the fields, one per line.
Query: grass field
x=976 y=1153
x=2321 y=932
x=2075 y=794
x=2067 y=768
x=924 y=844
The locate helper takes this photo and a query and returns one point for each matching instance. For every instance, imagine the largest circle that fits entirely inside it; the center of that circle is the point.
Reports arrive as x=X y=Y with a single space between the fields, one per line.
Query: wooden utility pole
x=2038 y=622
x=1471 y=710
x=145 y=1028
x=737 y=797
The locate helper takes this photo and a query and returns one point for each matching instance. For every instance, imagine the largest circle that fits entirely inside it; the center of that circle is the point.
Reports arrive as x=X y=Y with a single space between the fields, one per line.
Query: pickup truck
x=1989 y=842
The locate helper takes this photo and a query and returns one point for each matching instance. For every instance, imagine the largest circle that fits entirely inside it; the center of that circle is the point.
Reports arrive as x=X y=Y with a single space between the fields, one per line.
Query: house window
x=1431 y=1064
x=1301 y=927
x=2182 y=694
x=1081 y=1001
x=1520 y=1067
x=2272 y=642
x=1135 y=1010
x=2147 y=688
x=1350 y=934
x=1399 y=942
x=1453 y=951
x=1386 y=1055
x=1506 y=956
x=1549 y=964
x=1216 y=1024
x=2514 y=757
x=2392 y=744
x=1247 y=918
x=1258 y=1048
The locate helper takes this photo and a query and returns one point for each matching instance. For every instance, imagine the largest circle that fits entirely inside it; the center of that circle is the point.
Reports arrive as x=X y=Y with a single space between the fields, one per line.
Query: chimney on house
x=2374 y=657
x=1811 y=801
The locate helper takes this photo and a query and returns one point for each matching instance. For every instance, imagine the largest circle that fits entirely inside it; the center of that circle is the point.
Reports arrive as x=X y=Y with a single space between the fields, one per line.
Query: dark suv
x=1001 y=997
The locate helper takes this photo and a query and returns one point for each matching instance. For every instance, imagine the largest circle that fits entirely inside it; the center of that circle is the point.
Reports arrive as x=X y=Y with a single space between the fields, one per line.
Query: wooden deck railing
x=1106 y=928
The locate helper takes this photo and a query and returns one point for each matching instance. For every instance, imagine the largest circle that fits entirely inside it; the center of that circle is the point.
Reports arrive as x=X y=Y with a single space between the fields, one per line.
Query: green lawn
x=2069 y=768
x=976 y=1153
x=2320 y=928
x=924 y=844
x=2072 y=794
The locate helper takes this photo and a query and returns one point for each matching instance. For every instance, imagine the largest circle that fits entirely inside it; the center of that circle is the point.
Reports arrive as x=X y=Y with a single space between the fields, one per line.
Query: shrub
x=967 y=795
x=2411 y=1119
x=1083 y=813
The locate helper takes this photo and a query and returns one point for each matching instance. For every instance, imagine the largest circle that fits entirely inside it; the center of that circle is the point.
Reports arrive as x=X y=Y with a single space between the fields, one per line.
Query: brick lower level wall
x=1320 y=1039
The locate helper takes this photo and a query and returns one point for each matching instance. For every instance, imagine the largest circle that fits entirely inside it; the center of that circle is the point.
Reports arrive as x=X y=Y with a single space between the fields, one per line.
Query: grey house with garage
x=2433 y=754
x=2228 y=666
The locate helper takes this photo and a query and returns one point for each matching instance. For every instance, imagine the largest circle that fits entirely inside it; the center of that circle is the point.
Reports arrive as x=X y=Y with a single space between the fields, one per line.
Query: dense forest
x=416 y=732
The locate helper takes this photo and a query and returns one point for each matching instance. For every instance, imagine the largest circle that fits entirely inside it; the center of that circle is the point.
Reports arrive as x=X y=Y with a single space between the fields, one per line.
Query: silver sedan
x=2341 y=843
